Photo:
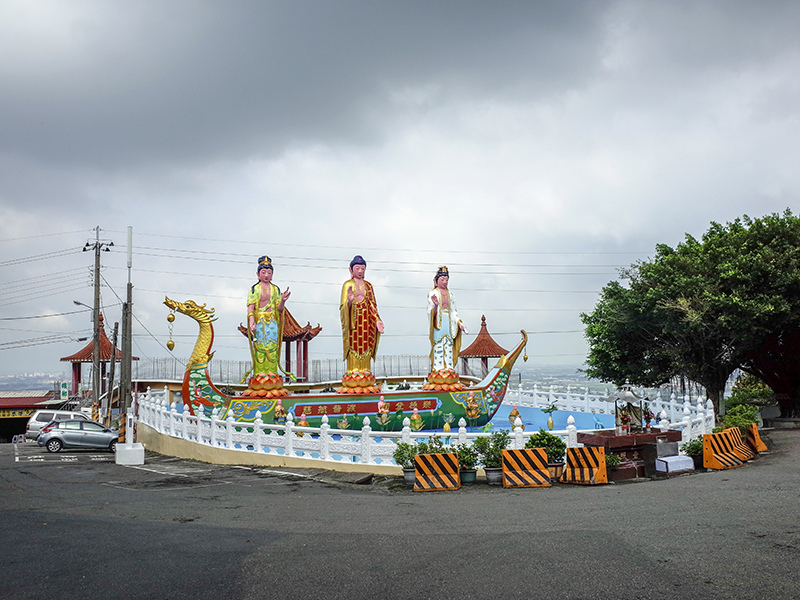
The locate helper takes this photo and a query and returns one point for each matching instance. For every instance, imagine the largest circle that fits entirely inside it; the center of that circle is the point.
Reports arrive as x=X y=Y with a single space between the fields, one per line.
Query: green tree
x=702 y=309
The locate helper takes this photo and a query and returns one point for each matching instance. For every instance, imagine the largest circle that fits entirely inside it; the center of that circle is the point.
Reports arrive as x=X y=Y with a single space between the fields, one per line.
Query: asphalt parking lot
x=181 y=529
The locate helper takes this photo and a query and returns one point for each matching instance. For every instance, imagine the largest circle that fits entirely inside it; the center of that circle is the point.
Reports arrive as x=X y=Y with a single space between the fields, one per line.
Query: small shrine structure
x=484 y=347
x=85 y=356
x=300 y=335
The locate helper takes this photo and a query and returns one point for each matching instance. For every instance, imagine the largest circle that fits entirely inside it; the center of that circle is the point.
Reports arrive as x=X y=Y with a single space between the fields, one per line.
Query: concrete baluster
x=214 y=419
x=462 y=431
x=572 y=433
x=663 y=423
x=258 y=438
x=289 y=435
x=325 y=439
x=519 y=435
x=185 y=422
x=686 y=434
x=229 y=431
x=366 y=442
x=405 y=433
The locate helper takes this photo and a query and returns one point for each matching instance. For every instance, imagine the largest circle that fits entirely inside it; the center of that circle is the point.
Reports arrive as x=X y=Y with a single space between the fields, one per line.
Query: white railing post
x=214 y=419
x=185 y=422
x=366 y=442
x=258 y=444
x=572 y=433
x=663 y=424
x=405 y=433
x=229 y=432
x=519 y=434
x=324 y=439
x=173 y=419
x=672 y=403
x=587 y=401
x=462 y=431
x=686 y=434
x=290 y=435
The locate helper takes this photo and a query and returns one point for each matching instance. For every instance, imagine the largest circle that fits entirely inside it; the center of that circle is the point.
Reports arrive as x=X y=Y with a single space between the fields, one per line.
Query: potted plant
x=404 y=455
x=694 y=448
x=490 y=449
x=613 y=460
x=555 y=448
x=467 y=459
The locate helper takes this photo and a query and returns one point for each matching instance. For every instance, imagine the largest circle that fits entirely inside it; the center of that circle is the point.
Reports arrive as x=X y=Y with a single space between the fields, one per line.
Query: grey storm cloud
x=195 y=81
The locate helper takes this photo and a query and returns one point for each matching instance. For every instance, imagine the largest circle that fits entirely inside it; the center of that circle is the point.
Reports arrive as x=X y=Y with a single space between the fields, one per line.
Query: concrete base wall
x=170 y=446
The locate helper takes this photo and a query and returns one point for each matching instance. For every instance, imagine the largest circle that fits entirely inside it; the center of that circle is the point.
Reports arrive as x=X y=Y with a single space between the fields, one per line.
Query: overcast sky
x=533 y=147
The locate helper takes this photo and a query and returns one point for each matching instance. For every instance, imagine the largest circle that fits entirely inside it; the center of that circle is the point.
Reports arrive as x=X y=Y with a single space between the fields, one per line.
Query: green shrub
x=693 y=447
x=741 y=416
x=553 y=445
x=749 y=389
x=467 y=456
x=613 y=460
x=404 y=454
x=490 y=449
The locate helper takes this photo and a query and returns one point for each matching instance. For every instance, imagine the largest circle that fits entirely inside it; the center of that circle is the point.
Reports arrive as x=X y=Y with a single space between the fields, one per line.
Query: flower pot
x=698 y=462
x=494 y=475
x=556 y=471
x=410 y=476
x=468 y=476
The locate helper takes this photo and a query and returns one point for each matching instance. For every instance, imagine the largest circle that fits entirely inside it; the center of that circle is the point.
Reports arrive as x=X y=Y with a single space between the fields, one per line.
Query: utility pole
x=98 y=246
x=127 y=313
x=110 y=385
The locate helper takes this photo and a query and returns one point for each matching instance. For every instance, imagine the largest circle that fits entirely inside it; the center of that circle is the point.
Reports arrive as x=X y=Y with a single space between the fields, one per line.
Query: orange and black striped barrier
x=718 y=452
x=122 y=427
x=525 y=468
x=585 y=465
x=740 y=448
x=436 y=472
x=95 y=413
x=754 y=439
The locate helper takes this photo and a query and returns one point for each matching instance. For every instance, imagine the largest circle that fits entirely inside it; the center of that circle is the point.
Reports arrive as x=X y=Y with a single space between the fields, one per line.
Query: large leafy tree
x=705 y=308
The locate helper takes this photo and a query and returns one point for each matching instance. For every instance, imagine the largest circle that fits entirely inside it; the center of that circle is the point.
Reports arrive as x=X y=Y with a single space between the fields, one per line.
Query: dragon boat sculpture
x=428 y=407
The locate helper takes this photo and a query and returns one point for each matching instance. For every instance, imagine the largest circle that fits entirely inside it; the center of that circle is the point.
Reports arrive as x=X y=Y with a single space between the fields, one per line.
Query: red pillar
x=76 y=378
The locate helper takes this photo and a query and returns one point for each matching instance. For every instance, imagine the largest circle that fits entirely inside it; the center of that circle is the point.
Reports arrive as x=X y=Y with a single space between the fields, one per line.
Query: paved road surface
x=77 y=525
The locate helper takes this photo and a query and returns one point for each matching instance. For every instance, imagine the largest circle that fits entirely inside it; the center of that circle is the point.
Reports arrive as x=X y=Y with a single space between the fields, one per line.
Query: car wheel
x=54 y=445
x=113 y=446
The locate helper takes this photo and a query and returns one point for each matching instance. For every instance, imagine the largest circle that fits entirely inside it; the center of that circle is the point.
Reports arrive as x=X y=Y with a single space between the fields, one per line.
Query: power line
x=349 y=248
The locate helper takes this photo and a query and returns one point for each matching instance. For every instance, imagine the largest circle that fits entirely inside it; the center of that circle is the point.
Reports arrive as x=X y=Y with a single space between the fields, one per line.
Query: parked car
x=43 y=416
x=77 y=433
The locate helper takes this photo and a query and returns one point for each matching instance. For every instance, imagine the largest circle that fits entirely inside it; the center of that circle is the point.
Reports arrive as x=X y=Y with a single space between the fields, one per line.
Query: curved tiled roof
x=483 y=346
x=85 y=355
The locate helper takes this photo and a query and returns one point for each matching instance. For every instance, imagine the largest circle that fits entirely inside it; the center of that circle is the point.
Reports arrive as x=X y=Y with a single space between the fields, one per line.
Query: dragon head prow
x=190 y=308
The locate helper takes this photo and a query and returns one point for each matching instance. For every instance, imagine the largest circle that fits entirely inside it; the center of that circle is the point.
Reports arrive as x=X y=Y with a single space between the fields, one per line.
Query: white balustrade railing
x=366 y=446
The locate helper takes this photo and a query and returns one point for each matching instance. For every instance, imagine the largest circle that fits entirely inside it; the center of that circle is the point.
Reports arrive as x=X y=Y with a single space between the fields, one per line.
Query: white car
x=43 y=416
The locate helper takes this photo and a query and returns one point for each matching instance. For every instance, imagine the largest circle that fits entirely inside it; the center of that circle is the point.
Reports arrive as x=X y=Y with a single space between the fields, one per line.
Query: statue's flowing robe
x=360 y=334
x=445 y=332
x=265 y=341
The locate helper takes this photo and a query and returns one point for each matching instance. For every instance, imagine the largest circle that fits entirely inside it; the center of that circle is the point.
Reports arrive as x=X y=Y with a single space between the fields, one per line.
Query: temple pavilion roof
x=106 y=349
x=292 y=330
x=483 y=346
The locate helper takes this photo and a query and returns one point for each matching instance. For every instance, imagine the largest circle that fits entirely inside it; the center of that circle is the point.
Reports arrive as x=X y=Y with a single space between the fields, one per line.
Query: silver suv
x=43 y=416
